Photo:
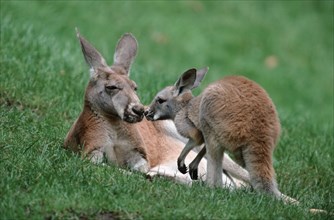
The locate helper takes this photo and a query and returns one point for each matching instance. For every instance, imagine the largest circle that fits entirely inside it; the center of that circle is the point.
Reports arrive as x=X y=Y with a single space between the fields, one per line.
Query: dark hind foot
x=193 y=174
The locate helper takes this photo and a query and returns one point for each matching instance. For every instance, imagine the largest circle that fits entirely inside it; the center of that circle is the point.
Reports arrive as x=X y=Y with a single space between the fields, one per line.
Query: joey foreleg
x=193 y=166
x=180 y=160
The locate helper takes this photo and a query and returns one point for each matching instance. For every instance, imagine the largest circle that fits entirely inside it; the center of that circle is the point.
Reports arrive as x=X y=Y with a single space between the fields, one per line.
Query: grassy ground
x=285 y=46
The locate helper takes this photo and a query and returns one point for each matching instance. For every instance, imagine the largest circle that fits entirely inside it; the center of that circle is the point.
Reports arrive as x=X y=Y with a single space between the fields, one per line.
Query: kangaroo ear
x=199 y=76
x=93 y=58
x=185 y=82
x=126 y=51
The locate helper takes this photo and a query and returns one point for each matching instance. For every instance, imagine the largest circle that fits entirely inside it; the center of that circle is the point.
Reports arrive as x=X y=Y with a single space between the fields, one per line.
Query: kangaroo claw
x=193 y=174
x=183 y=169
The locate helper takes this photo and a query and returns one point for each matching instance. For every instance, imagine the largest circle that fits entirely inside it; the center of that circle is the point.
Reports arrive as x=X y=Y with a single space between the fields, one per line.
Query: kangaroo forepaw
x=181 y=167
x=193 y=174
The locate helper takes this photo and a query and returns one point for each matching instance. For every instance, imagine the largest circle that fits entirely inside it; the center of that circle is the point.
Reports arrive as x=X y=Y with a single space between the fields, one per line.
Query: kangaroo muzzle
x=134 y=113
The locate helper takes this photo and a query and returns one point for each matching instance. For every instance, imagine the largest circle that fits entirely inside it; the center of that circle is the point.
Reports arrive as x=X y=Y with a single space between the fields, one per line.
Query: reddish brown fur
x=91 y=132
x=233 y=114
x=238 y=115
x=110 y=124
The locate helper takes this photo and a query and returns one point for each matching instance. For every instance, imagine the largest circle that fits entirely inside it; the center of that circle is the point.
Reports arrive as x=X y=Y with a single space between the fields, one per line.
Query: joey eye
x=160 y=100
x=136 y=88
x=111 y=87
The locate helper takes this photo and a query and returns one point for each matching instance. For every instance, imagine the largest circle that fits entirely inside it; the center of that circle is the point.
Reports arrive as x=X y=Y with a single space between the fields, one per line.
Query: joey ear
x=185 y=82
x=126 y=51
x=92 y=57
x=199 y=76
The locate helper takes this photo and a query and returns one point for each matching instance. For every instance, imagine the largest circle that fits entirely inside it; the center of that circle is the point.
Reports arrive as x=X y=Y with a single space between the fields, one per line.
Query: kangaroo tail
x=235 y=170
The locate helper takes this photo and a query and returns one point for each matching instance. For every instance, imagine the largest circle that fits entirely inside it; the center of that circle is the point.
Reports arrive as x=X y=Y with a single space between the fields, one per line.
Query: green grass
x=43 y=77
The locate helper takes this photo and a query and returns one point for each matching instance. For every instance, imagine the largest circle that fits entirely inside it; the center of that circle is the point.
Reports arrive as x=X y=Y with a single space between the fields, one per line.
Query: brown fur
x=237 y=114
x=110 y=124
x=233 y=114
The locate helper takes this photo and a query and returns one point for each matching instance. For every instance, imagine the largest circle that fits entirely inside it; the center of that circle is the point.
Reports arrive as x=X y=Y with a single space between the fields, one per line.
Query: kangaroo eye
x=136 y=88
x=160 y=100
x=111 y=87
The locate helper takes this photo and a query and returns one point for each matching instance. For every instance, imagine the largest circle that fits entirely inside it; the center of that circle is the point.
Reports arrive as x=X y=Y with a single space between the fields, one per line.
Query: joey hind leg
x=238 y=156
x=180 y=160
x=214 y=168
x=215 y=154
x=193 y=166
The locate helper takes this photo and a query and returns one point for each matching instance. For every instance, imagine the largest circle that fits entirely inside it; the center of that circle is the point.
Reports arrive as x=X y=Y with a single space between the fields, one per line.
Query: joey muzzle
x=149 y=114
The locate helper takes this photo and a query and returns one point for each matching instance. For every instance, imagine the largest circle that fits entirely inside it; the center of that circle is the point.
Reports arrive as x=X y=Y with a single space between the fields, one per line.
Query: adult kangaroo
x=111 y=124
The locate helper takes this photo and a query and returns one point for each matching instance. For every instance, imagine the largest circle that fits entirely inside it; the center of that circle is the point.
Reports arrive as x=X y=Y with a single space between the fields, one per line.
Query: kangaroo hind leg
x=215 y=153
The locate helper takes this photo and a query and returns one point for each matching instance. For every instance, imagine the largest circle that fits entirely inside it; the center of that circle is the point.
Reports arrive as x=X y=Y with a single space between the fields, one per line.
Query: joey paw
x=193 y=174
x=182 y=168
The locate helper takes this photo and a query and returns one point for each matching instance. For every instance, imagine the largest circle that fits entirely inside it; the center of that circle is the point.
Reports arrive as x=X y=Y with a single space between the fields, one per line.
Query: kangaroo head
x=110 y=91
x=169 y=101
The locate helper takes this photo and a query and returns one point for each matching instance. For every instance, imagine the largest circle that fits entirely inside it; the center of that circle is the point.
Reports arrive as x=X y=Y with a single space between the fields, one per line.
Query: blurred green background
x=286 y=46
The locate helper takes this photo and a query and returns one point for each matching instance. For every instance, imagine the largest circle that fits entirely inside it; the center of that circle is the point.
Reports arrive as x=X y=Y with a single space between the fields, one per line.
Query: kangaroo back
x=241 y=111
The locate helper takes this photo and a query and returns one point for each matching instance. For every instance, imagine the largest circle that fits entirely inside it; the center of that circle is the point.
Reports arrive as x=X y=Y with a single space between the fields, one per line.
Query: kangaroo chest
x=123 y=145
x=188 y=126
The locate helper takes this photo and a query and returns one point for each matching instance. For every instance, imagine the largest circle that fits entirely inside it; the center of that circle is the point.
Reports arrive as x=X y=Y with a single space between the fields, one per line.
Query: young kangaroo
x=110 y=124
x=233 y=114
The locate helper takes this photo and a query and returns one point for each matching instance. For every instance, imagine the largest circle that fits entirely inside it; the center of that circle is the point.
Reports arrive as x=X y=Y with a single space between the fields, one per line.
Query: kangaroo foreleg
x=193 y=166
x=180 y=160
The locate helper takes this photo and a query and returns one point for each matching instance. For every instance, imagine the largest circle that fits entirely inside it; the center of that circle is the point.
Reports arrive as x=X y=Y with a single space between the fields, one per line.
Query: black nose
x=138 y=109
x=149 y=115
